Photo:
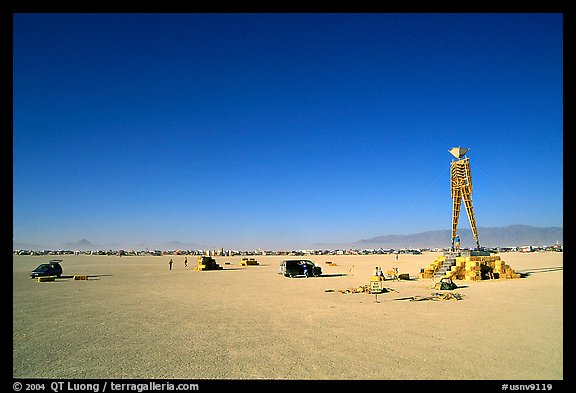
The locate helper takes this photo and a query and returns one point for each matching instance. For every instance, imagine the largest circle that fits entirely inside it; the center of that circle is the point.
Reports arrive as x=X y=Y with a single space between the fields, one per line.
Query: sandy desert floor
x=135 y=318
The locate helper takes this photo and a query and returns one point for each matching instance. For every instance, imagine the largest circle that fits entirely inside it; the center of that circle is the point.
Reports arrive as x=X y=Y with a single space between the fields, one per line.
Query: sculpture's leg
x=457 y=202
x=467 y=194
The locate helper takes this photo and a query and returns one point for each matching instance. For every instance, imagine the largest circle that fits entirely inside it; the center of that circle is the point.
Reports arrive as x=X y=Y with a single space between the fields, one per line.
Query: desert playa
x=136 y=318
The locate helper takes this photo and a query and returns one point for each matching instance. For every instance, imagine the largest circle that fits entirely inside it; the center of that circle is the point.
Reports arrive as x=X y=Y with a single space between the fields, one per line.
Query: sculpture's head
x=458 y=152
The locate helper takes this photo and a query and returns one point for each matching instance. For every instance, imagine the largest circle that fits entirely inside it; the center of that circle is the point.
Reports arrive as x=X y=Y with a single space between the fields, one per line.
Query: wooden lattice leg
x=470 y=213
x=457 y=202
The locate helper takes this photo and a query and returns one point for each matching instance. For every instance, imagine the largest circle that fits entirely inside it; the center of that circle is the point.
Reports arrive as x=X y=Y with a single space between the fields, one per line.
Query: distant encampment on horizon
x=507 y=236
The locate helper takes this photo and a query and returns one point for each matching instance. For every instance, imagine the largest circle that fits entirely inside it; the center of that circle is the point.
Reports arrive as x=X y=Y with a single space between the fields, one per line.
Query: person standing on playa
x=305 y=266
x=170 y=263
x=185 y=261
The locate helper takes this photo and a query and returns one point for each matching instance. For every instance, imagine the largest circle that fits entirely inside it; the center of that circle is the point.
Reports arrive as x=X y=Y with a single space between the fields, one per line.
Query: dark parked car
x=299 y=267
x=52 y=268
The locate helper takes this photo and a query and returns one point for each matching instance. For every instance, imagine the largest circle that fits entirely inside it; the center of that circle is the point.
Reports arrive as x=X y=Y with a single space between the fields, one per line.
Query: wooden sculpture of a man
x=461 y=188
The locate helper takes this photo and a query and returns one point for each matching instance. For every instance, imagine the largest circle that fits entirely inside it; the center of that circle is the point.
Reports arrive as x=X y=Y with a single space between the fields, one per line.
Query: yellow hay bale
x=472 y=268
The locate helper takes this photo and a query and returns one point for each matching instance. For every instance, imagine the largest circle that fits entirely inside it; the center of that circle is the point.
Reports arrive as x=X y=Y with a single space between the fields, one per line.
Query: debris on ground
x=361 y=289
x=434 y=296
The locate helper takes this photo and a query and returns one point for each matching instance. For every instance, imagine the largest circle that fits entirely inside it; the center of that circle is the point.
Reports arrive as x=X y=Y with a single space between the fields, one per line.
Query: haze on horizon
x=281 y=130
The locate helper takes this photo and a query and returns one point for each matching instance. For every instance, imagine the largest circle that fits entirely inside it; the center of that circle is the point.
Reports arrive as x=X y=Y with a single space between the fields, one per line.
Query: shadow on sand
x=333 y=275
x=526 y=273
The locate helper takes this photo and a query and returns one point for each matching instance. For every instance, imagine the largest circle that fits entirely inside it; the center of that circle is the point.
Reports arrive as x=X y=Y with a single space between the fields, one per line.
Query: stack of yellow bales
x=504 y=270
x=429 y=270
x=467 y=268
x=207 y=263
x=472 y=268
x=249 y=262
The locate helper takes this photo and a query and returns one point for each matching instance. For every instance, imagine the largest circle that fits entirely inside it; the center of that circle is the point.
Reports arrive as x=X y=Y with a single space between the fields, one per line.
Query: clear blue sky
x=281 y=130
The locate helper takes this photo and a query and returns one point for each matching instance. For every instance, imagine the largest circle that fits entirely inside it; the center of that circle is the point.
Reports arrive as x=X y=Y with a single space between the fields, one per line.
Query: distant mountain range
x=512 y=235
x=85 y=245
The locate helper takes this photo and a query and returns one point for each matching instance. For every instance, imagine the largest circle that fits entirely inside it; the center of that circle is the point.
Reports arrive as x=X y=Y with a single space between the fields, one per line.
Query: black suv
x=299 y=267
x=52 y=268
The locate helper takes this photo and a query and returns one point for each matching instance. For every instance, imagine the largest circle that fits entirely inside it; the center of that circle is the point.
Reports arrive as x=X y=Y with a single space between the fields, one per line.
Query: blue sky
x=280 y=130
